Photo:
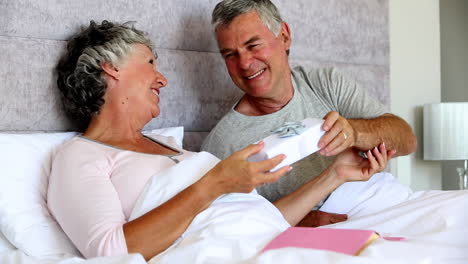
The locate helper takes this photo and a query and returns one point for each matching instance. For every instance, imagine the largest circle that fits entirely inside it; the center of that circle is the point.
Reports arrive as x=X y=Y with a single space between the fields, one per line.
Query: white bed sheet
x=433 y=222
x=10 y=255
x=5 y=245
x=18 y=257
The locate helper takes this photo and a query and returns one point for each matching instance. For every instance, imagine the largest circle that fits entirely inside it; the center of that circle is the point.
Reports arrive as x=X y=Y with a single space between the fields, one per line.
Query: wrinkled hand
x=339 y=135
x=317 y=218
x=349 y=166
x=236 y=174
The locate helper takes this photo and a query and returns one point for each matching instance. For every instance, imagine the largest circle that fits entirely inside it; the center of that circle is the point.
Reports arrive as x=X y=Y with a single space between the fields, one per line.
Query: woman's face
x=140 y=82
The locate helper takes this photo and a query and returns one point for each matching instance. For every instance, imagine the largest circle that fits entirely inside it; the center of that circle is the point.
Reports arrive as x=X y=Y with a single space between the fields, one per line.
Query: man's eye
x=151 y=61
x=226 y=56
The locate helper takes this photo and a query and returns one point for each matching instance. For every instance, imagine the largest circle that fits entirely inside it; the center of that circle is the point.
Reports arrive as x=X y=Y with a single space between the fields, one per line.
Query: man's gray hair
x=226 y=10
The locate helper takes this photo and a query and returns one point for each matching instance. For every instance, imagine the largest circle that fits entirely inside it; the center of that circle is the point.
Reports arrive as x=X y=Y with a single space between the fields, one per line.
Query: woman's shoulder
x=78 y=144
x=79 y=150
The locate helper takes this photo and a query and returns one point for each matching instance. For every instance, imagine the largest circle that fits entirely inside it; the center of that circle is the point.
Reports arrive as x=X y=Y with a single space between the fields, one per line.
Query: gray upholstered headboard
x=349 y=34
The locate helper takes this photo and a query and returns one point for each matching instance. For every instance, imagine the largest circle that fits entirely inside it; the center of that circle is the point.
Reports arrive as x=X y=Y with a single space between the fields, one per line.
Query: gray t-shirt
x=316 y=92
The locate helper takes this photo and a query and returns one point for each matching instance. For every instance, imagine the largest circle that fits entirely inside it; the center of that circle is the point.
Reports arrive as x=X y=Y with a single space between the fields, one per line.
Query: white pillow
x=24 y=219
x=25 y=163
x=176 y=132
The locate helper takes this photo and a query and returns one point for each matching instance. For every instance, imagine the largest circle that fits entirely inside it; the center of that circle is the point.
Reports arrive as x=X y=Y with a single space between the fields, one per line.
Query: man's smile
x=255 y=75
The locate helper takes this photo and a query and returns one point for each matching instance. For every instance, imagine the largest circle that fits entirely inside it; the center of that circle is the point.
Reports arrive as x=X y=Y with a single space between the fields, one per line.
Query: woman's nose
x=161 y=80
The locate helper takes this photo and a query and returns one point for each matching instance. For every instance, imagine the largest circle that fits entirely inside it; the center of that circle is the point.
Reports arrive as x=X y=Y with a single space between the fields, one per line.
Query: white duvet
x=236 y=226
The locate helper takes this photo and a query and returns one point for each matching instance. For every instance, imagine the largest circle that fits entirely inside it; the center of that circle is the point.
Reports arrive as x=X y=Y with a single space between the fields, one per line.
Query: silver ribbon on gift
x=290 y=129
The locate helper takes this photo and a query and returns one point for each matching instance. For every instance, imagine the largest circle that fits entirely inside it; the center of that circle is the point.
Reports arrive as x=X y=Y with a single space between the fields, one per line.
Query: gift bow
x=290 y=129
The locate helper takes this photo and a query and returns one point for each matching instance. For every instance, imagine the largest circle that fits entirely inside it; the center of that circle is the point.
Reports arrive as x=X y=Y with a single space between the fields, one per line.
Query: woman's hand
x=349 y=166
x=236 y=174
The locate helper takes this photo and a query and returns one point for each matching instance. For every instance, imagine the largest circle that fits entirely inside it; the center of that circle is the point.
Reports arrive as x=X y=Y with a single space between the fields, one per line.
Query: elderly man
x=254 y=42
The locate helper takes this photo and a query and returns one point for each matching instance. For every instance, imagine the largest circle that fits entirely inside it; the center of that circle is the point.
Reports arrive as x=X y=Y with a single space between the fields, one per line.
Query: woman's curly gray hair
x=80 y=76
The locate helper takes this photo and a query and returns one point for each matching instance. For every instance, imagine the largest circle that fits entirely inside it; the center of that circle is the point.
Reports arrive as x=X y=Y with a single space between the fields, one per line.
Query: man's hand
x=339 y=135
x=365 y=134
x=317 y=218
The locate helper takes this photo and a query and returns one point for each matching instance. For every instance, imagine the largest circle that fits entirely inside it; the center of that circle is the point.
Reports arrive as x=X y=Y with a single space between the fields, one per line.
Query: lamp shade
x=446 y=131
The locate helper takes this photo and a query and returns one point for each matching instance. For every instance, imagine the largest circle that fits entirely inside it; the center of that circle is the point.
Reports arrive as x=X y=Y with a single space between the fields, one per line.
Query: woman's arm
x=155 y=231
x=84 y=201
x=348 y=166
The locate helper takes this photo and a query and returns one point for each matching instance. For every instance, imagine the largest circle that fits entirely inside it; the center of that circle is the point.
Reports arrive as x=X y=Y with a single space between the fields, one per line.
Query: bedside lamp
x=446 y=135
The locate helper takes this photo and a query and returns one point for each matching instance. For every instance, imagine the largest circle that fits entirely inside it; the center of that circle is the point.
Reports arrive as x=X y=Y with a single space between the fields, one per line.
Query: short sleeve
x=347 y=96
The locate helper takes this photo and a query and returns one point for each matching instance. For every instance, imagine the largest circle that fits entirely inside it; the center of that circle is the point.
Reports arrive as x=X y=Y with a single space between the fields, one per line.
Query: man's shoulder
x=314 y=73
x=321 y=81
x=226 y=123
x=219 y=136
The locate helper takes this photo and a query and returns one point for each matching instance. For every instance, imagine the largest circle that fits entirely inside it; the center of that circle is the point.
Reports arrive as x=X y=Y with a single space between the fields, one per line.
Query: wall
x=415 y=80
x=454 y=61
x=349 y=34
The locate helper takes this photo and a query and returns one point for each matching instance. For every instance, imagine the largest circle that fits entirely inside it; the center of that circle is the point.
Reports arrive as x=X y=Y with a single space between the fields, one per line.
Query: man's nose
x=245 y=60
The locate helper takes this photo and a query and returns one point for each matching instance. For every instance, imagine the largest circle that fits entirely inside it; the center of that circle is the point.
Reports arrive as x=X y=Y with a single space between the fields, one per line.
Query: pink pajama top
x=93 y=188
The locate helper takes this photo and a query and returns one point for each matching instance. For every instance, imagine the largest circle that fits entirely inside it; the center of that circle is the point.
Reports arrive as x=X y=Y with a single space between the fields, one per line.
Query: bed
x=433 y=223
x=351 y=35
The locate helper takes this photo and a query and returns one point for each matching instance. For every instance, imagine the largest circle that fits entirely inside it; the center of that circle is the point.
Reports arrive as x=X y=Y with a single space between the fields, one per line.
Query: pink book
x=347 y=241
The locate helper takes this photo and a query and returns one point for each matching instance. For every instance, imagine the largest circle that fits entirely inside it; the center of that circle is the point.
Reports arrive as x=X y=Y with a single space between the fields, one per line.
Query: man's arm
x=317 y=218
x=388 y=128
x=365 y=134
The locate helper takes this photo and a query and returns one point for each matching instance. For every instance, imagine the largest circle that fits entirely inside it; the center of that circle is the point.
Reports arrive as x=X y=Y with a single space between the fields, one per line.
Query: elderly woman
x=110 y=87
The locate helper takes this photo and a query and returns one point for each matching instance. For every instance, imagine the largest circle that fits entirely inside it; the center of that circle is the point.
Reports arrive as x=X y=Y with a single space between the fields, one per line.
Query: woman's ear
x=111 y=70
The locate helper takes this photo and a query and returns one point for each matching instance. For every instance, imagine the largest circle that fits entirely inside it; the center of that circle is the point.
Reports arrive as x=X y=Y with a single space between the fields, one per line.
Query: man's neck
x=254 y=106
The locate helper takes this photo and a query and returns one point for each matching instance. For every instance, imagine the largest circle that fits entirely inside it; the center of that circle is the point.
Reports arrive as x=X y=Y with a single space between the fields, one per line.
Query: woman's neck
x=113 y=128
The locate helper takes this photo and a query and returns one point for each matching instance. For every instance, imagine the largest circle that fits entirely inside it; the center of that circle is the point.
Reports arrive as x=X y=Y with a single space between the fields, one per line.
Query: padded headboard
x=349 y=34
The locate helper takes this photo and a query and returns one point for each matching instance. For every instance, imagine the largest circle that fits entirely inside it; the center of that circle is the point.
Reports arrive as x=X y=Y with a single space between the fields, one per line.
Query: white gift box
x=296 y=146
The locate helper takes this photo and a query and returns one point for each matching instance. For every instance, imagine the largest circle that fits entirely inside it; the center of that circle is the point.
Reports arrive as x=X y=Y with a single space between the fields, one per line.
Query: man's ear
x=111 y=70
x=285 y=35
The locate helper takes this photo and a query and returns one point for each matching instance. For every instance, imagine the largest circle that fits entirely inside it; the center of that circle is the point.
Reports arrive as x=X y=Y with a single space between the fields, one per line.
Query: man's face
x=255 y=58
